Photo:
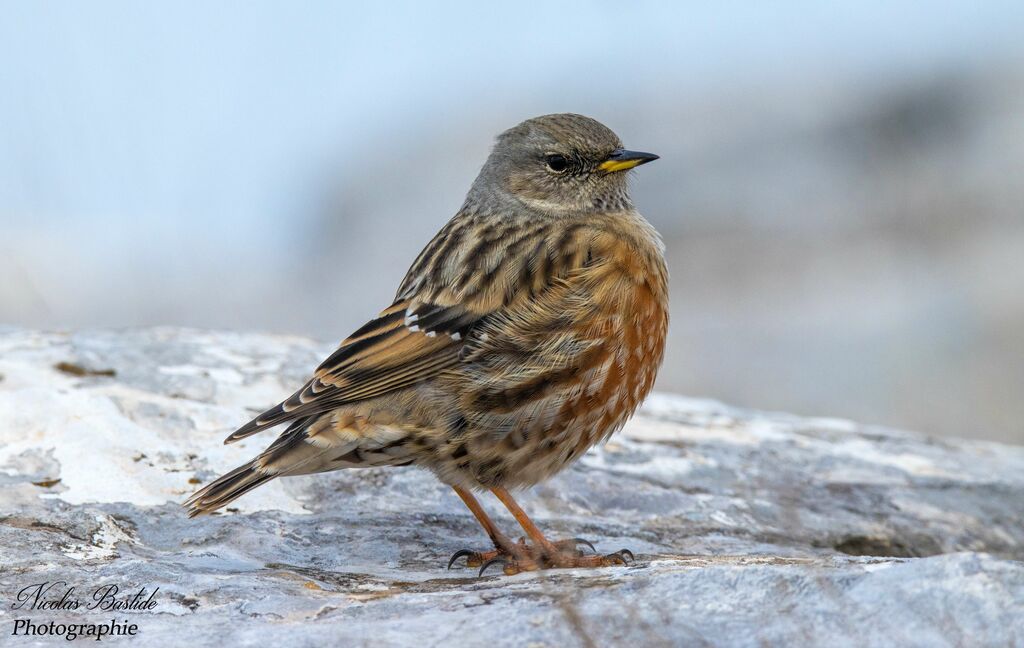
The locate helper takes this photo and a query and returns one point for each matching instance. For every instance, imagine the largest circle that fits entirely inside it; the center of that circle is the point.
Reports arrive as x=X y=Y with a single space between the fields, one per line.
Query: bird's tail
x=271 y=463
x=307 y=446
x=227 y=488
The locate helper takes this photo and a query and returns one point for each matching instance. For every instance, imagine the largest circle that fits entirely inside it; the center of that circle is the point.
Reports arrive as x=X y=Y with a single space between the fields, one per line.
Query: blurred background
x=840 y=188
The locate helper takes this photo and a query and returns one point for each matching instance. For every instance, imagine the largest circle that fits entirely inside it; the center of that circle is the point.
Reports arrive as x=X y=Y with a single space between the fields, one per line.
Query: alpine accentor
x=528 y=330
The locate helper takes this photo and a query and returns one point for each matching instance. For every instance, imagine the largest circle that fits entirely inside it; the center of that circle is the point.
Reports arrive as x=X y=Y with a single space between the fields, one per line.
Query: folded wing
x=405 y=344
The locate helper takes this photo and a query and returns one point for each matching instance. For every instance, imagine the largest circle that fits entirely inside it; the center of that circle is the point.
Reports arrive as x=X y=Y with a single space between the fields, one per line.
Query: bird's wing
x=405 y=344
x=530 y=281
x=524 y=354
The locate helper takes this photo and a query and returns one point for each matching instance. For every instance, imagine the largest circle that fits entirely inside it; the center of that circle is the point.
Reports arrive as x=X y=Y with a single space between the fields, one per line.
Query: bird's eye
x=557 y=163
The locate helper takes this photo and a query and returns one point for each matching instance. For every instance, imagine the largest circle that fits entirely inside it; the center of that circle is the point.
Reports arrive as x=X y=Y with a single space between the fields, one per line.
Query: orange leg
x=503 y=546
x=500 y=540
x=520 y=556
x=505 y=550
x=545 y=554
x=524 y=520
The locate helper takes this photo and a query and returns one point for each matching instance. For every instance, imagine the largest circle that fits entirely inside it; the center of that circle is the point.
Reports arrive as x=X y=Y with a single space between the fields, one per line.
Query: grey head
x=557 y=164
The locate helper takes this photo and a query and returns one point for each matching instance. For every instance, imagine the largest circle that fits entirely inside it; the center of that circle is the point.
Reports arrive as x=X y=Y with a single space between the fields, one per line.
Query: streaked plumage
x=526 y=331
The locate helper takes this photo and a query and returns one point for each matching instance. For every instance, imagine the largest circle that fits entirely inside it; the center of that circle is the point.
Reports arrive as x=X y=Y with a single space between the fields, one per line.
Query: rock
x=750 y=528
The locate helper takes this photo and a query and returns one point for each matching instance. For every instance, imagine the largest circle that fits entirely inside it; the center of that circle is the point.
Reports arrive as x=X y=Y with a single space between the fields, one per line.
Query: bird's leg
x=503 y=546
x=563 y=553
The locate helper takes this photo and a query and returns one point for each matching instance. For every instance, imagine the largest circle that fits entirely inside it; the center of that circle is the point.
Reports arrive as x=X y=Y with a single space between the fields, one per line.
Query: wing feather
x=445 y=301
x=402 y=346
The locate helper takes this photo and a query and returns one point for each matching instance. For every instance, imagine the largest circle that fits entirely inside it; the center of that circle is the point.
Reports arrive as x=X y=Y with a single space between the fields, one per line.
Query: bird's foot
x=559 y=560
x=518 y=551
x=474 y=558
x=521 y=557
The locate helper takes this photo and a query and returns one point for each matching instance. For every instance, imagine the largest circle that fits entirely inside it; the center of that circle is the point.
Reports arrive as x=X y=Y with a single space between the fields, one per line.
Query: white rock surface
x=750 y=528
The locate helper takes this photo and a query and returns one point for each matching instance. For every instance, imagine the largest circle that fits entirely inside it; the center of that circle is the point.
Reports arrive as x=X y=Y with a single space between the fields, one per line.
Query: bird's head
x=560 y=163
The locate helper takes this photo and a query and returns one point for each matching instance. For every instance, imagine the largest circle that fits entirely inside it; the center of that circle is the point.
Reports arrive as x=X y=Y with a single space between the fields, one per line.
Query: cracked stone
x=749 y=528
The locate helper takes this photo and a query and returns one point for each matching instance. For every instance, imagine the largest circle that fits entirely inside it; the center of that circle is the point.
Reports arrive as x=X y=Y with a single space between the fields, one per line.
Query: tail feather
x=268 y=419
x=308 y=445
x=227 y=488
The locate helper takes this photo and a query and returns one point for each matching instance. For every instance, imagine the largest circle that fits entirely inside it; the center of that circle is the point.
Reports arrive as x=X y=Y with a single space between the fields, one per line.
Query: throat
x=586 y=206
x=588 y=200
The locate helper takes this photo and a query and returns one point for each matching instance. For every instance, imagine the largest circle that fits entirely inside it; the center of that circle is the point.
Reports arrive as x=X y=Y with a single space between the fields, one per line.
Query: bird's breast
x=561 y=368
x=632 y=322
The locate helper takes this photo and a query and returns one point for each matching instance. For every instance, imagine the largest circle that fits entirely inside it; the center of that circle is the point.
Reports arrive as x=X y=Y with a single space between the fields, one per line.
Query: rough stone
x=750 y=528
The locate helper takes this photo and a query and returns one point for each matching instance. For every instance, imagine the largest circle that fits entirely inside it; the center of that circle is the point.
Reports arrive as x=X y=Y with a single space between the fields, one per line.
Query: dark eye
x=557 y=163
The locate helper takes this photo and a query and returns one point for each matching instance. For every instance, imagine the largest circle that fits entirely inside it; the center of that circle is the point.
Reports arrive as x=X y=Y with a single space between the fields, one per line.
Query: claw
x=584 y=541
x=523 y=557
x=459 y=554
x=622 y=556
x=496 y=560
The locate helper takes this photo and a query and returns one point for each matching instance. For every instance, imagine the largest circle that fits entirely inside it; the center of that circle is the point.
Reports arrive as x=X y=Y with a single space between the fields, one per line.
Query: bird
x=528 y=330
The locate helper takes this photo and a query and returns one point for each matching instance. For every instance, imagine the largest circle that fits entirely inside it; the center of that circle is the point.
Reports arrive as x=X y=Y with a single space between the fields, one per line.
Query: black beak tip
x=622 y=155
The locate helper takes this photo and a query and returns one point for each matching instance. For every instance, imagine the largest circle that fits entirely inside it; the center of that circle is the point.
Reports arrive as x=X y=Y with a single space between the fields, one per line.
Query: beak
x=622 y=160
